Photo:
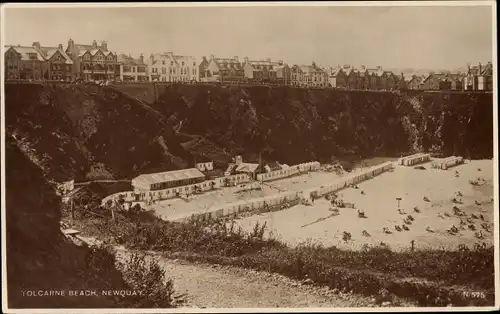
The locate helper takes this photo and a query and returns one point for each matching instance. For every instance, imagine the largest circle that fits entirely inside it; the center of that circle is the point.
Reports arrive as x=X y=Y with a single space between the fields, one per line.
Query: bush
x=365 y=272
x=144 y=274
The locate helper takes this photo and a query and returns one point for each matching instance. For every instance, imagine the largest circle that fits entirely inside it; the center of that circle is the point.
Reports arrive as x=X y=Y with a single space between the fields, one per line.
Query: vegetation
x=143 y=274
x=432 y=278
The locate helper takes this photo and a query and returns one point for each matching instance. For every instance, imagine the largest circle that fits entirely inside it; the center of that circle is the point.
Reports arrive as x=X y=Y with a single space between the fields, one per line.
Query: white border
x=5 y=309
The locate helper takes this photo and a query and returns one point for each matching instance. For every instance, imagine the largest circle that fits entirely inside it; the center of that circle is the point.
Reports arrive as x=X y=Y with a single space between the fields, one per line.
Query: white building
x=167 y=67
x=205 y=166
x=132 y=69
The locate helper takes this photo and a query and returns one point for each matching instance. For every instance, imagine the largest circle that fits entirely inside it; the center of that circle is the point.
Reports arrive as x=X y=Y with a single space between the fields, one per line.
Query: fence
x=414 y=159
x=241 y=206
x=282 y=198
x=354 y=178
x=287 y=172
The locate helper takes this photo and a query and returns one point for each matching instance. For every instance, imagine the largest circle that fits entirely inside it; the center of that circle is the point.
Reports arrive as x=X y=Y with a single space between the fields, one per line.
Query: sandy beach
x=315 y=224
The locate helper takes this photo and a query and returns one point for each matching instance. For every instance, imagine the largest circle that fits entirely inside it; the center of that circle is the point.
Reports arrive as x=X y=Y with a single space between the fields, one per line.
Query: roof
x=23 y=51
x=310 y=69
x=168 y=56
x=274 y=166
x=246 y=167
x=227 y=63
x=82 y=49
x=167 y=176
x=266 y=63
x=48 y=52
x=488 y=69
x=123 y=58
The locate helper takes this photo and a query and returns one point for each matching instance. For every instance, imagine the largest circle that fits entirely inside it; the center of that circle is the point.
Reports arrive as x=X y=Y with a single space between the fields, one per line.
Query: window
x=182 y=63
x=194 y=64
x=194 y=71
x=163 y=71
x=163 y=62
x=171 y=63
x=170 y=72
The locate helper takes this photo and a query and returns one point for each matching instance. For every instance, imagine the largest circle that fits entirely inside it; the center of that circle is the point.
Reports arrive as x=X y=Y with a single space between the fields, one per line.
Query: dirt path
x=215 y=286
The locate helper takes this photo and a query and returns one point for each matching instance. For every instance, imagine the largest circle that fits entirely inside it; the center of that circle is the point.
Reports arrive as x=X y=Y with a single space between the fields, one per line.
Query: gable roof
x=246 y=167
x=42 y=53
x=83 y=49
x=227 y=63
x=311 y=69
x=48 y=52
x=488 y=69
x=24 y=52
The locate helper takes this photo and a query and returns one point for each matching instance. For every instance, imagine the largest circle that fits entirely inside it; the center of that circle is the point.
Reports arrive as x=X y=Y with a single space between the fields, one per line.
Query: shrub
x=143 y=273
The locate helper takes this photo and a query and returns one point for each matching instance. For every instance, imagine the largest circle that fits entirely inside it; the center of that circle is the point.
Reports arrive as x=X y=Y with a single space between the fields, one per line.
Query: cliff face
x=39 y=257
x=89 y=132
x=292 y=125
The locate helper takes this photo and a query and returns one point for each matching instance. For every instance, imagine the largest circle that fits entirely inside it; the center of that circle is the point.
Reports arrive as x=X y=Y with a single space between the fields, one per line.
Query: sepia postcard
x=196 y=157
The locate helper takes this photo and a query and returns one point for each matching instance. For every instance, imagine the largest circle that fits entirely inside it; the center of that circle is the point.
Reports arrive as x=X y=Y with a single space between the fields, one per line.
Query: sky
x=393 y=37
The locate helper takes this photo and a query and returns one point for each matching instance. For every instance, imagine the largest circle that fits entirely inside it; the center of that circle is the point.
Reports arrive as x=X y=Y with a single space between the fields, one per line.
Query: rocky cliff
x=89 y=132
x=292 y=125
x=40 y=260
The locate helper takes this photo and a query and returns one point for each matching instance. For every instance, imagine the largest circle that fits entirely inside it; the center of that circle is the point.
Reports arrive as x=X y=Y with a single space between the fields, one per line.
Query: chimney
x=268 y=59
x=236 y=58
x=36 y=44
x=238 y=160
x=280 y=62
x=480 y=68
x=60 y=47
x=246 y=59
x=71 y=45
x=152 y=57
x=94 y=44
x=104 y=45
x=141 y=57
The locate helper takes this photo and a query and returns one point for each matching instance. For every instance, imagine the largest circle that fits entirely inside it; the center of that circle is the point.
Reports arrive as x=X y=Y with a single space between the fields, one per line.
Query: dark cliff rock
x=39 y=258
x=293 y=125
x=89 y=132
x=86 y=132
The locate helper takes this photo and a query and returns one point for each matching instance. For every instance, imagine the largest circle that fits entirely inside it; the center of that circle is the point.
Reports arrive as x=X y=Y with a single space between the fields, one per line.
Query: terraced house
x=309 y=75
x=222 y=70
x=479 y=77
x=442 y=81
x=93 y=62
x=415 y=82
x=261 y=70
x=132 y=70
x=37 y=62
x=167 y=67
